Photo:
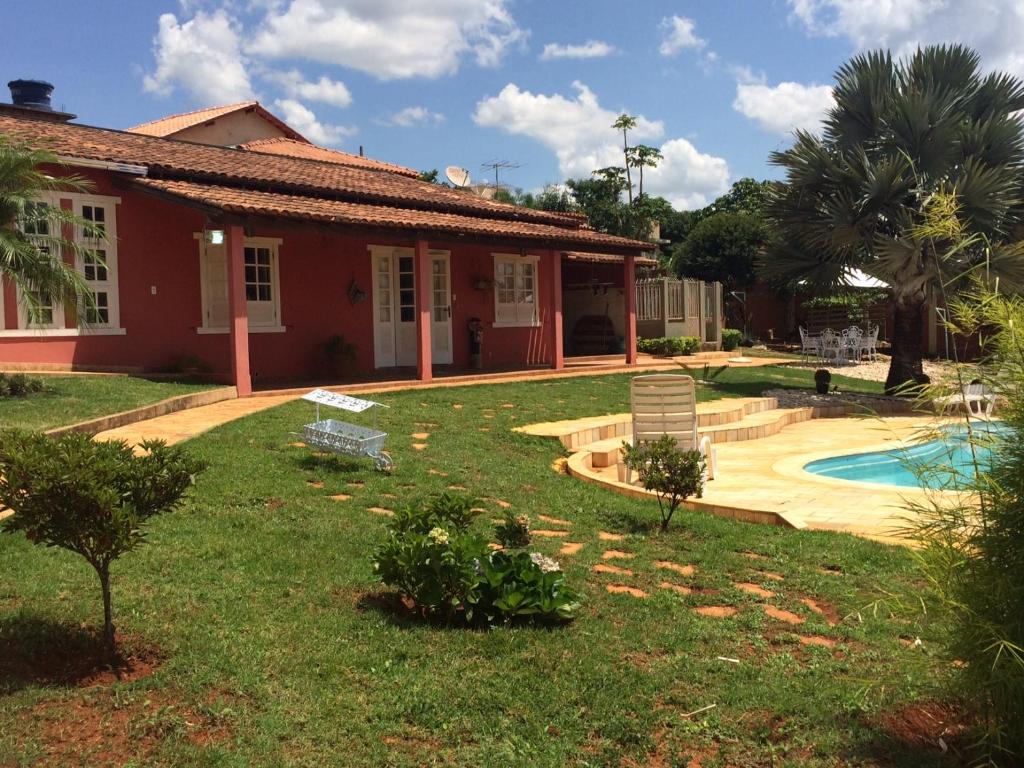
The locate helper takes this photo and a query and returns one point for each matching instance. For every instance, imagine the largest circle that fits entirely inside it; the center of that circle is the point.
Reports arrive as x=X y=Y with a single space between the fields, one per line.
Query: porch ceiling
x=247 y=203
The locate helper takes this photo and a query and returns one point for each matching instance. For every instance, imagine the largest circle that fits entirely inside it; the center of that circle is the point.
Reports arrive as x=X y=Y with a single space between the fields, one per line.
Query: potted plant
x=822 y=381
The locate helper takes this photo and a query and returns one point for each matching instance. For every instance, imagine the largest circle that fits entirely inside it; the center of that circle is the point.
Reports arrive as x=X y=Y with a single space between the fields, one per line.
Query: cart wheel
x=384 y=463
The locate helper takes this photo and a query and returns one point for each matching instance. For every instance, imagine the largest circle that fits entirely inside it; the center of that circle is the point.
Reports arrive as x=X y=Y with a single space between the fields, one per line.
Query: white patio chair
x=979 y=400
x=666 y=404
x=852 y=339
x=833 y=349
x=810 y=345
x=869 y=344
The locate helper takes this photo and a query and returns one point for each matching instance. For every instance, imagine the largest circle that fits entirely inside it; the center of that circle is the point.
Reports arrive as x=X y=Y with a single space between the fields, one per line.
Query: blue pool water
x=934 y=464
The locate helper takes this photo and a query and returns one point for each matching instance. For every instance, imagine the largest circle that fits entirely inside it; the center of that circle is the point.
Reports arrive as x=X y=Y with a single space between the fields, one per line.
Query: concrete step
x=753 y=426
x=577 y=434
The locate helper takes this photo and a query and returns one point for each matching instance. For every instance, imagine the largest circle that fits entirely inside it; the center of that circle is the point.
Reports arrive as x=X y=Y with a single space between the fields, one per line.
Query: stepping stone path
x=383 y=512
x=437 y=472
x=753 y=589
x=622 y=589
x=684 y=570
x=605 y=536
x=501 y=503
x=315 y=483
x=455 y=487
x=771 y=575
x=355 y=484
x=679 y=588
x=457 y=406
x=816 y=608
x=570 y=548
x=419 y=435
x=340 y=497
x=297 y=445
x=388 y=496
x=716 y=611
x=484 y=429
x=549 y=534
x=602 y=568
x=616 y=554
x=507 y=405
x=420 y=446
x=787 y=616
x=824 y=642
x=553 y=520
x=753 y=555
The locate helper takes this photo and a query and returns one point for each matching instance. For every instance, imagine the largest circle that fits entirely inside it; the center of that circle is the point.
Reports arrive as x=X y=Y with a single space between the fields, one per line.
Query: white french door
x=394 y=307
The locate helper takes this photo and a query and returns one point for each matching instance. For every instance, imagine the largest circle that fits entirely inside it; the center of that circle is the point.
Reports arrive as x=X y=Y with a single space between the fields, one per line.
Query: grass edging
x=146 y=412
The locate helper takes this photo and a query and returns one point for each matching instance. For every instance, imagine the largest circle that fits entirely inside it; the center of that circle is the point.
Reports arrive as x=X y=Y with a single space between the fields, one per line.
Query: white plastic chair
x=868 y=346
x=666 y=404
x=979 y=400
x=853 y=337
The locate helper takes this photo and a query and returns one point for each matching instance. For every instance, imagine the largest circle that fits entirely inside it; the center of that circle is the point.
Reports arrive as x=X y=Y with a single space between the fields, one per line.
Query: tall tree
x=900 y=132
x=642 y=156
x=626 y=123
x=32 y=234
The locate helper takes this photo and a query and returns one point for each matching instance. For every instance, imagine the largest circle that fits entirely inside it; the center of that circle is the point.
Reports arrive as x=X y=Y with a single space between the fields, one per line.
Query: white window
x=39 y=228
x=262 y=285
x=98 y=261
x=515 y=290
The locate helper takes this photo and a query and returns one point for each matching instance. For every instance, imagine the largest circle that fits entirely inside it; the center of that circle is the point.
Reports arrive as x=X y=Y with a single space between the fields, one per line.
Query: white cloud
x=303 y=120
x=410 y=116
x=784 y=107
x=578 y=130
x=993 y=27
x=389 y=39
x=201 y=55
x=679 y=33
x=592 y=49
x=324 y=90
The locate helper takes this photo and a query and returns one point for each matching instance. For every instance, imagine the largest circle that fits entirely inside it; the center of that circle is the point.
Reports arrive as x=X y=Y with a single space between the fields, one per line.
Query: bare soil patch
x=782 y=615
x=716 y=611
x=683 y=570
x=602 y=568
x=616 y=554
x=622 y=589
x=570 y=548
x=753 y=589
x=605 y=536
x=924 y=723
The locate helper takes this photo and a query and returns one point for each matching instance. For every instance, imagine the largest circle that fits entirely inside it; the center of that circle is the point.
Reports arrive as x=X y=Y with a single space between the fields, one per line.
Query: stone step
x=754 y=426
x=577 y=434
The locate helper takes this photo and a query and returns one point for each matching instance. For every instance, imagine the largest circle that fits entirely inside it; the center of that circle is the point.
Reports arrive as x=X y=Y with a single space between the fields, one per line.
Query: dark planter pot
x=822 y=381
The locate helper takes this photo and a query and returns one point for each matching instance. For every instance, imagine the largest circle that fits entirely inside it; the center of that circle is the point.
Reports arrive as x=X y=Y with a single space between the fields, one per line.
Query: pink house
x=248 y=260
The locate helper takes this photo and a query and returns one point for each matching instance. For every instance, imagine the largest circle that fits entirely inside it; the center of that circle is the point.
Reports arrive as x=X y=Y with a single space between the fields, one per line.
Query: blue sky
x=718 y=83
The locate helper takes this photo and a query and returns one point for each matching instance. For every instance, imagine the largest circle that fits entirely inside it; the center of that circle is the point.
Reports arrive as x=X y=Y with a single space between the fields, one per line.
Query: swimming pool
x=933 y=464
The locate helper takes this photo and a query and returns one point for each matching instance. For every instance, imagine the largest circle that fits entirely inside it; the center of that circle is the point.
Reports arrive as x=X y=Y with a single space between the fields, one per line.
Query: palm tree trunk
x=906 y=368
x=629 y=177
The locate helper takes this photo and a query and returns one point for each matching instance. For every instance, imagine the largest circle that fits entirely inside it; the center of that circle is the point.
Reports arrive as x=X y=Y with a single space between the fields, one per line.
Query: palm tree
x=642 y=156
x=33 y=235
x=900 y=132
x=625 y=123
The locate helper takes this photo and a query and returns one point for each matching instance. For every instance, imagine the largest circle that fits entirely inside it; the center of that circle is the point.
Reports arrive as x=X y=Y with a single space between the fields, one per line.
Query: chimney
x=31 y=98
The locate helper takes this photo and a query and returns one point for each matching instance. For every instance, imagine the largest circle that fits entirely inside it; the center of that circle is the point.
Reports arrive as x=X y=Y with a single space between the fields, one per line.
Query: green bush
x=731 y=339
x=669 y=346
x=90 y=497
x=674 y=475
x=513 y=532
x=433 y=558
x=19 y=385
x=972 y=551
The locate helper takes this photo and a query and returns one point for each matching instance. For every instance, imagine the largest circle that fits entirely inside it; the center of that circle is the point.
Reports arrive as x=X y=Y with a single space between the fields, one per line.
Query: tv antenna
x=496 y=165
x=457 y=176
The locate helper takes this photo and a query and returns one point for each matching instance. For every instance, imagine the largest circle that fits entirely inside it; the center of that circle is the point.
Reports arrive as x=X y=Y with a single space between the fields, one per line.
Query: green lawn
x=279 y=648
x=70 y=399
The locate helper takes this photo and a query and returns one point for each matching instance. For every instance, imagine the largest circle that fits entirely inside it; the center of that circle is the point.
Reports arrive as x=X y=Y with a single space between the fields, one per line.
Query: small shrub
x=524 y=584
x=90 y=497
x=513 y=532
x=669 y=346
x=433 y=558
x=674 y=475
x=337 y=357
x=19 y=385
x=731 y=338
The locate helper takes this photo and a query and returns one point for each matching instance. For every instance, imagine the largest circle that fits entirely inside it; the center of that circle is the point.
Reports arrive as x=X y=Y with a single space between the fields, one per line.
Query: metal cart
x=343 y=438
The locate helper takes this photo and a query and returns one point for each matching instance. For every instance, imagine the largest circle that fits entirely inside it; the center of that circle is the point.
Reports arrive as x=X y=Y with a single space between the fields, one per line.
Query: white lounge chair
x=666 y=404
x=979 y=399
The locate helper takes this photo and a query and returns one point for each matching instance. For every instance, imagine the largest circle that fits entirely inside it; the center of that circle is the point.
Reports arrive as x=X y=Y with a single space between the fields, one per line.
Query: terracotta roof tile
x=172 y=124
x=169 y=158
x=292 y=148
x=281 y=206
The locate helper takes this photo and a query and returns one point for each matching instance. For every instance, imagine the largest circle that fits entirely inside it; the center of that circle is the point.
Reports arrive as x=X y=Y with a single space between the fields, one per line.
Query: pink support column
x=238 y=311
x=424 y=363
x=557 y=353
x=630 y=296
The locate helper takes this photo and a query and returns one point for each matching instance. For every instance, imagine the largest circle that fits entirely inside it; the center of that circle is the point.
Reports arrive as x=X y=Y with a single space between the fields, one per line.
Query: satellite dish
x=457 y=176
